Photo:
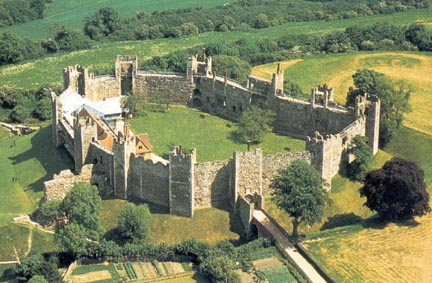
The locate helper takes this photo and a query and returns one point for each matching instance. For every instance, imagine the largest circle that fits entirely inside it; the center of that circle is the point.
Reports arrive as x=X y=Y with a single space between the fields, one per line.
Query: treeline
x=242 y=15
x=24 y=104
x=246 y=52
x=21 y=11
x=106 y=24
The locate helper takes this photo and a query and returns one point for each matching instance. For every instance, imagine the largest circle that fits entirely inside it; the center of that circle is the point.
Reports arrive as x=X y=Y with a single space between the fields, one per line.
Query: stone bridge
x=264 y=225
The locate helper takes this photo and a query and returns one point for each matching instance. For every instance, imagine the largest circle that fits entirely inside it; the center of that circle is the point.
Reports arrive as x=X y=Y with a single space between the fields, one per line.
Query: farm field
x=71 y=13
x=101 y=57
x=211 y=135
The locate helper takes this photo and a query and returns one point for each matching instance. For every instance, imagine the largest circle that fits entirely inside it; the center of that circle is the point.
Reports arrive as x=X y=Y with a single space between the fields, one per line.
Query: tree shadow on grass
x=339 y=220
x=375 y=222
x=52 y=159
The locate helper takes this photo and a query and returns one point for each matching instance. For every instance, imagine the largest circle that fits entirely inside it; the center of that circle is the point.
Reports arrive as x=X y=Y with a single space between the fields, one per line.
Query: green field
x=101 y=57
x=210 y=136
x=72 y=12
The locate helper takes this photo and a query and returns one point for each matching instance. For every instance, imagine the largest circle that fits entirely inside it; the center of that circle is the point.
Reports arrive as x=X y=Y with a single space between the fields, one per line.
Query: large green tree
x=82 y=206
x=397 y=190
x=254 y=123
x=362 y=152
x=298 y=189
x=394 y=98
x=134 y=222
x=71 y=238
x=35 y=265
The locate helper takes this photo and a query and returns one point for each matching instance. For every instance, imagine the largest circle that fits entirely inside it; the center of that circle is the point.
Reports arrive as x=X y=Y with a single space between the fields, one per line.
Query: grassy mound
x=211 y=136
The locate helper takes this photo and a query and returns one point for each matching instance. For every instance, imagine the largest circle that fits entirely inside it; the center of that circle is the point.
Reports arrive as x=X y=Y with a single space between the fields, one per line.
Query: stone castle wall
x=155 y=88
x=149 y=181
x=184 y=185
x=211 y=183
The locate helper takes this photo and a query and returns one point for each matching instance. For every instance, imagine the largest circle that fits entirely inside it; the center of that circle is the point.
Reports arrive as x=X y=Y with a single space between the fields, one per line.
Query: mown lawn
x=210 y=136
x=32 y=161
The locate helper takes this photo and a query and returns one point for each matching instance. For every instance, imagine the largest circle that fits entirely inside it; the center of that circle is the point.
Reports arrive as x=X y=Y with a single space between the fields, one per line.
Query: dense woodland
x=21 y=11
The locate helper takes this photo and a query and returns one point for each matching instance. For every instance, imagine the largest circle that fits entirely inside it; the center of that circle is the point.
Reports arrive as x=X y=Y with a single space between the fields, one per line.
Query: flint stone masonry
x=212 y=183
x=62 y=183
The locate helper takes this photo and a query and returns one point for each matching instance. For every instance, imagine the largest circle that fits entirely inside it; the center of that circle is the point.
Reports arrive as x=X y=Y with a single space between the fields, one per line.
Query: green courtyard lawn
x=211 y=136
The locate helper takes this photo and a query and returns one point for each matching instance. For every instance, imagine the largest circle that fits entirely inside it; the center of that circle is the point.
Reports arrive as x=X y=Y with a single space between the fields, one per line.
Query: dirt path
x=30 y=241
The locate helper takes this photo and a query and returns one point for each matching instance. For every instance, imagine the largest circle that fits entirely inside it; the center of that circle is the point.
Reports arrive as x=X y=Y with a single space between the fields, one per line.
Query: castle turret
x=76 y=78
x=278 y=81
x=181 y=182
x=126 y=70
x=373 y=122
x=123 y=148
x=85 y=131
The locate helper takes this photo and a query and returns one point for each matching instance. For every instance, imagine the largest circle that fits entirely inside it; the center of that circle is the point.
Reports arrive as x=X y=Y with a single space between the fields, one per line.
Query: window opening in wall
x=234 y=109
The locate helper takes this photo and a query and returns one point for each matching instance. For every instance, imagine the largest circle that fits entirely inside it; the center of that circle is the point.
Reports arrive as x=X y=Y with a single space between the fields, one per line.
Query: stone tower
x=181 y=181
x=278 y=81
x=85 y=131
x=373 y=122
x=76 y=78
x=123 y=148
x=126 y=69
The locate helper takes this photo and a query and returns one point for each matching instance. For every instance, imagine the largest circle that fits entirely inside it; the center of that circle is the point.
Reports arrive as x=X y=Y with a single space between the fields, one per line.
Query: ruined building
x=87 y=121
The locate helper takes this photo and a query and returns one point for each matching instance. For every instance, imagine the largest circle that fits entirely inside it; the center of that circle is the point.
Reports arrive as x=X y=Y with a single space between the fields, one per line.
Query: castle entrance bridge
x=265 y=225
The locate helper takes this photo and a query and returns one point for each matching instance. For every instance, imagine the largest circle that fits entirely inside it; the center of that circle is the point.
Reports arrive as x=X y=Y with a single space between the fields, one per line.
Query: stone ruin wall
x=149 y=85
x=102 y=87
x=248 y=173
x=328 y=151
x=301 y=119
x=62 y=183
x=149 y=181
x=212 y=183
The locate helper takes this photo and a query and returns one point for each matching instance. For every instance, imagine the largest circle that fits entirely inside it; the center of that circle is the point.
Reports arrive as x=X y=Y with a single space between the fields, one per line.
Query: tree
x=233 y=67
x=219 y=268
x=70 y=39
x=19 y=113
x=134 y=222
x=43 y=109
x=35 y=265
x=71 y=238
x=49 y=211
x=298 y=189
x=394 y=98
x=82 y=206
x=362 y=152
x=254 y=124
x=102 y=23
x=397 y=190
